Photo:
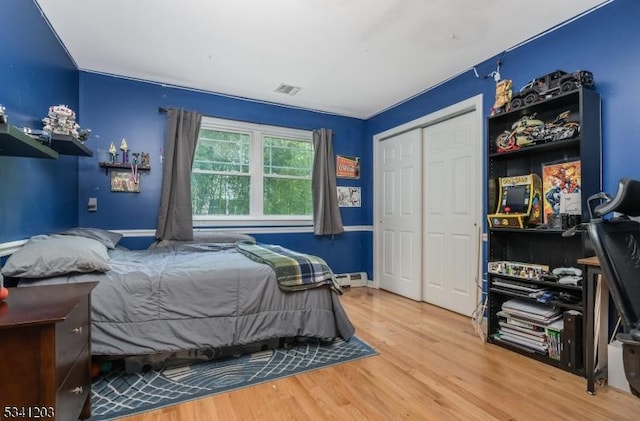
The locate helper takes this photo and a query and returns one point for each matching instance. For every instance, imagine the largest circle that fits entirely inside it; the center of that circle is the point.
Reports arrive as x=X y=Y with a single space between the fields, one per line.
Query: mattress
x=196 y=296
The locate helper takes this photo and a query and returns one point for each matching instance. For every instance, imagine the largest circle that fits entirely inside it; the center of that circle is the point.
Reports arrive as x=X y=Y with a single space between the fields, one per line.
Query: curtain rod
x=164 y=110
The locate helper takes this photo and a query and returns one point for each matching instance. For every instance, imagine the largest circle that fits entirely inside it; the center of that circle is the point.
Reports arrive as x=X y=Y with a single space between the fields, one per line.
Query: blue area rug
x=118 y=394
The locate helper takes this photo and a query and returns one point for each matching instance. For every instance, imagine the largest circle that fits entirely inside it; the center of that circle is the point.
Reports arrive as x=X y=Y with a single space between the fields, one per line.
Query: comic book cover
x=561 y=186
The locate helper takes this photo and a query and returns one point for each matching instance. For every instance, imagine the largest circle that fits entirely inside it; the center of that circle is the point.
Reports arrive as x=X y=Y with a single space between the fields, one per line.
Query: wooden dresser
x=45 y=352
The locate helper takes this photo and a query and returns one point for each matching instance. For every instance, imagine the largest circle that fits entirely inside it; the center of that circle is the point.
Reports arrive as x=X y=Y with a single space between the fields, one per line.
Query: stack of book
x=529 y=325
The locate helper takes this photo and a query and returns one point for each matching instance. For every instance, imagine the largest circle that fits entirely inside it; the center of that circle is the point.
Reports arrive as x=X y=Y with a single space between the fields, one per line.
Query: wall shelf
x=69 y=145
x=13 y=142
x=121 y=166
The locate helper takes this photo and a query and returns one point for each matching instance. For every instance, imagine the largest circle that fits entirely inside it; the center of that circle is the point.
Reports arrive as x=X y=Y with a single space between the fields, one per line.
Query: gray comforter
x=199 y=296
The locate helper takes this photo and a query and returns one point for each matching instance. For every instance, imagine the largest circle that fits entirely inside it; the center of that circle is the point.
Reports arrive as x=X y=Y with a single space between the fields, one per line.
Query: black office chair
x=616 y=241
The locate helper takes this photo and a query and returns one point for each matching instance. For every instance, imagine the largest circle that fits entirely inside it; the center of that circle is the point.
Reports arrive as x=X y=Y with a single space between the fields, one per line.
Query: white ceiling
x=350 y=57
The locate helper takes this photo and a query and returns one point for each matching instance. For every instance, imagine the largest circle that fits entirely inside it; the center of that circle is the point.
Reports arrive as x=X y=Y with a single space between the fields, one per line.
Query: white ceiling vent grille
x=287 y=89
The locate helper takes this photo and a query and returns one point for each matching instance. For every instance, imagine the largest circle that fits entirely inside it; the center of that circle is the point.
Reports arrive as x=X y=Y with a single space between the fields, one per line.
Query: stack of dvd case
x=528 y=325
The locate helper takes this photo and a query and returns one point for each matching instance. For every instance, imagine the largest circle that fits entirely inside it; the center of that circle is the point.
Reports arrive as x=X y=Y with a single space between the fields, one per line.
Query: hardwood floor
x=431 y=366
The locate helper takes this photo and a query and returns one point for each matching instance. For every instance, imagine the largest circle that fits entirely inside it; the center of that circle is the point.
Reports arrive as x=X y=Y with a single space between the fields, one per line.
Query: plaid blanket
x=294 y=271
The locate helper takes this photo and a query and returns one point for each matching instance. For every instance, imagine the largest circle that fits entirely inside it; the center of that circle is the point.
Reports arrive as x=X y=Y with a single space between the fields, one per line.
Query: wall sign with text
x=347 y=166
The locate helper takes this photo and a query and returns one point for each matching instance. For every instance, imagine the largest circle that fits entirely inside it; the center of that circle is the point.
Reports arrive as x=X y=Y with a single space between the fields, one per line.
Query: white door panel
x=451 y=202
x=400 y=223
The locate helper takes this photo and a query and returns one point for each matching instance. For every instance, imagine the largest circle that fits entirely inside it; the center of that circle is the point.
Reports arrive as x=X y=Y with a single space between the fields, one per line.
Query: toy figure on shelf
x=84 y=134
x=62 y=120
x=136 y=158
x=125 y=151
x=113 y=152
x=144 y=158
x=3 y=115
x=503 y=97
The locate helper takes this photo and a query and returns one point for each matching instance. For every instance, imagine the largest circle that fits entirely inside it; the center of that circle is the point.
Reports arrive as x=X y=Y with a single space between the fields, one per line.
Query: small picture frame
x=124 y=181
x=349 y=197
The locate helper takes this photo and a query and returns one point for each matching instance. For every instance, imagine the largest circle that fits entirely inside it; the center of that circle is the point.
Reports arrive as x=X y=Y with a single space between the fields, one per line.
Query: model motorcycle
x=522 y=133
x=559 y=129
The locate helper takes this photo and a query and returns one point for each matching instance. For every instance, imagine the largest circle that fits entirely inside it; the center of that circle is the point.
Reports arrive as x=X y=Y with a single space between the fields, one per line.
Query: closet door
x=452 y=191
x=399 y=222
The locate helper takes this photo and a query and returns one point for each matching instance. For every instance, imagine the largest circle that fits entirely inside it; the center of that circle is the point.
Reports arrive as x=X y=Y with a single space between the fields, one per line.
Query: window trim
x=256 y=133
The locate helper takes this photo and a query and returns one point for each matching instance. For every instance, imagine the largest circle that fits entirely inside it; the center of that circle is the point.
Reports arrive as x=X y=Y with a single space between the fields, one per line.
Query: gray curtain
x=175 y=215
x=326 y=213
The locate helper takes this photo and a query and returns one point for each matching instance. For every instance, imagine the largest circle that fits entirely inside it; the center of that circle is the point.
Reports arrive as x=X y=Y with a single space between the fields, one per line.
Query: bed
x=178 y=296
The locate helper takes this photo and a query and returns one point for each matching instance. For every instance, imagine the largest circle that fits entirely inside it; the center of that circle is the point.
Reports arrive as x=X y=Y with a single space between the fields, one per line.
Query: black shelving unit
x=540 y=245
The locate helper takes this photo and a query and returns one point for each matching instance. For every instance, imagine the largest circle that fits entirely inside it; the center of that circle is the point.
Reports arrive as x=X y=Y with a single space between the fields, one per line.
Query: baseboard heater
x=355 y=279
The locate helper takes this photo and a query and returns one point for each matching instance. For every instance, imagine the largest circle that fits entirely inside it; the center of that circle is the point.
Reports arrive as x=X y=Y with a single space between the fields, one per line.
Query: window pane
x=287 y=157
x=213 y=194
x=222 y=151
x=286 y=196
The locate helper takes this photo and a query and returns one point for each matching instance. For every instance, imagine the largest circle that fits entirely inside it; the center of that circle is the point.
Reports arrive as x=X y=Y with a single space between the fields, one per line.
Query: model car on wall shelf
x=550 y=85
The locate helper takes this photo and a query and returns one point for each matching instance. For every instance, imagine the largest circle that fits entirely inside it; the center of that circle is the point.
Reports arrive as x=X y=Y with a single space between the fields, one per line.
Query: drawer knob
x=77 y=330
x=77 y=390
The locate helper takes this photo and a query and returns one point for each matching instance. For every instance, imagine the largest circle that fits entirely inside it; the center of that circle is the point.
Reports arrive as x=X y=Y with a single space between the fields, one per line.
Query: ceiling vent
x=287 y=89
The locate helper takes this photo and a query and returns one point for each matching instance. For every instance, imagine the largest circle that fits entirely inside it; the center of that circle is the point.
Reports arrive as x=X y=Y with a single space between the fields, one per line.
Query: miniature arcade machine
x=519 y=202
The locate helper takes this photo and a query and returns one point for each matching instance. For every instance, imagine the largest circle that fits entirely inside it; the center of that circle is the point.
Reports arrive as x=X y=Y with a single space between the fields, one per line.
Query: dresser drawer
x=75 y=389
x=72 y=336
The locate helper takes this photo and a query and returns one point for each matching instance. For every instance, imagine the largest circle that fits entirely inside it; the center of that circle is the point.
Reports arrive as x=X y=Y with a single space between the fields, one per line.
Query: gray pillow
x=221 y=237
x=109 y=238
x=44 y=256
x=206 y=237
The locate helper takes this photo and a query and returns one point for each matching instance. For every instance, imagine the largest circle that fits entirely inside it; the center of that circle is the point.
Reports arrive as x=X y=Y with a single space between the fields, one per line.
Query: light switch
x=93 y=204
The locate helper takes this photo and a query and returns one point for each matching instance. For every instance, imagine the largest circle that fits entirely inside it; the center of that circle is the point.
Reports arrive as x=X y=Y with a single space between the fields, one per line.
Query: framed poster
x=561 y=187
x=347 y=166
x=349 y=197
x=124 y=181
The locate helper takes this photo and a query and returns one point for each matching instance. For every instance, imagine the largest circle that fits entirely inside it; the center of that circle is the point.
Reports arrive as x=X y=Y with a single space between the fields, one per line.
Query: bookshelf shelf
x=543 y=243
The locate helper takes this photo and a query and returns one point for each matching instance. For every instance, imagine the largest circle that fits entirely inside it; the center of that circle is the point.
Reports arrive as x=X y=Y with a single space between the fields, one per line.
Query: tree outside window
x=243 y=170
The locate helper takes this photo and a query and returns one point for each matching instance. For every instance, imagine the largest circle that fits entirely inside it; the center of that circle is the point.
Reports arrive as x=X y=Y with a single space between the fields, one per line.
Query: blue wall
x=37 y=73
x=36 y=195
x=604 y=42
x=115 y=108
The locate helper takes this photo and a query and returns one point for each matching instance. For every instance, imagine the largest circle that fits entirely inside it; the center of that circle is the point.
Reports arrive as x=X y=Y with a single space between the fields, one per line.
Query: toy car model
x=550 y=85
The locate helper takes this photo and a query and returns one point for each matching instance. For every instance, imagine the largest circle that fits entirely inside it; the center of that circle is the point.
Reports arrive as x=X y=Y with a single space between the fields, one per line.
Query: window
x=249 y=172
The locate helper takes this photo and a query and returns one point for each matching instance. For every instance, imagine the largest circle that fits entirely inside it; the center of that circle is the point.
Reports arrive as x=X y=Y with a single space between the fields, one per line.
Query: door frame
x=473 y=104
